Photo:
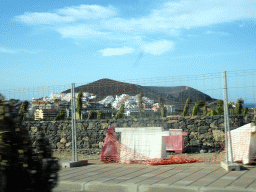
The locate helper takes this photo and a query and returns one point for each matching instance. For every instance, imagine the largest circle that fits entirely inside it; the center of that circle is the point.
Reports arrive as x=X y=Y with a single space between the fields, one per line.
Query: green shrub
x=92 y=115
x=196 y=107
x=21 y=165
x=60 y=116
x=212 y=113
x=220 y=107
x=205 y=110
x=163 y=111
x=120 y=113
x=245 y=110
x=185 y=111
x=238 y=107
x=100 y=114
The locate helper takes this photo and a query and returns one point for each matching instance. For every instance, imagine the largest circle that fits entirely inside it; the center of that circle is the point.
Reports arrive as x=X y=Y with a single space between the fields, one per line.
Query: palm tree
x=185 y=111
x=238 y=106
x=220 y=107
x=197 y=105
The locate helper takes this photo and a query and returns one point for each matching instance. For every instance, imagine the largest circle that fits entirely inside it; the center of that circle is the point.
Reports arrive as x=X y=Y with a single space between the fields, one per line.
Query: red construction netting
x=111 y=154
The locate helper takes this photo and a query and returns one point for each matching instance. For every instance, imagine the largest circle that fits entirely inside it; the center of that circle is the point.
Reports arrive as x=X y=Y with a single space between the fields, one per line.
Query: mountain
x=176 y=96
x=249 y=105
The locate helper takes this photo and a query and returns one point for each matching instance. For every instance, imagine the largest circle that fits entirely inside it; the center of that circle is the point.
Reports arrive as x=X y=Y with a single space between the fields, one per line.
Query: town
x=47 y=108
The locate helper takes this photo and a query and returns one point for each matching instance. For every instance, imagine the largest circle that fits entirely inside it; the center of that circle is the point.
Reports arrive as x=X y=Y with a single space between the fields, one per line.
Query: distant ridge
x=249 y=105
x=171 y=95
x=105 y=87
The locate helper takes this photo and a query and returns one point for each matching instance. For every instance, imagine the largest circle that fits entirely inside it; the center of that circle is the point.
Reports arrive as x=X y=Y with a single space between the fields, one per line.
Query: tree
x=245 y=110
x=196 y=107
x=99 y=114
x=238 y=107
x=205 y=110
x=79 y=104
x=60 y=116
x=21 y=164
x=212 y=113
x=92 y=115
x=56 y=100
x=160 y=101
x=120 y=113
x=140 y=106
x=13 y=101
x=163 y=111
x=24 y=108
x=185 y=111
x=2 y=97
x=220 y=107
x=230 y=107
x=31 y=117
x=109 y=105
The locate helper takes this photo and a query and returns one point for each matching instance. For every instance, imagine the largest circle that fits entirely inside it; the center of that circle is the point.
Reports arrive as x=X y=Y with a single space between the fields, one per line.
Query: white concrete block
x=145 y=142
x=243 y=143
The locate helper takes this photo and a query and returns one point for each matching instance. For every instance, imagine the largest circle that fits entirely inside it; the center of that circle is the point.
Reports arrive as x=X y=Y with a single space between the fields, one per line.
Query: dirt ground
x=208 y=157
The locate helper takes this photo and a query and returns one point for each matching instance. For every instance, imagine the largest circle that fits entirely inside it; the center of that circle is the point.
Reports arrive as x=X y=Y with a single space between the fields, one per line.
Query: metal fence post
x=73 y=107
x=226 y=120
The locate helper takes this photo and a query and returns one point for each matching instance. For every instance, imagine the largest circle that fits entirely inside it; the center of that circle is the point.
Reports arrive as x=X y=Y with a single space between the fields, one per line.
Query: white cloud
x=88 y=12
x=185 y=14
x=158 y=47
x=80 y=31
x=4 y=50
x=44 y=18
x=209 y=32
x=116 y=51
x=14 y=51
x=67 y=15
x=197 y=13
x=90 y=21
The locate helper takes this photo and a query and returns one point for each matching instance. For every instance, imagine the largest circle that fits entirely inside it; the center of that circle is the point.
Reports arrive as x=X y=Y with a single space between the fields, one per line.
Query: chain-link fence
x=136 y=103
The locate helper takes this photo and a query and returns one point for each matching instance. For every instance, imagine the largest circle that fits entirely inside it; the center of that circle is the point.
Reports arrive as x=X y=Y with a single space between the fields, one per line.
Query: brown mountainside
x=171 y=95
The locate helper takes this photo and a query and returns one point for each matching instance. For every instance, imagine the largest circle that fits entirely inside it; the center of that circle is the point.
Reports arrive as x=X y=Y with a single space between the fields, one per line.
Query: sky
x=48 y=43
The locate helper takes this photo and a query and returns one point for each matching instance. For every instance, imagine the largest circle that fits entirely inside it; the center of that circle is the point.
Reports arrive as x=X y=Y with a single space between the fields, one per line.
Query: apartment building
x=147 y=105
x=35 y=105
x=85 y=113
x=155 y=107
x=146 y=112
x=49 y=106
x=59 y=105
x=46 y=113
x=43 y=105
x=93 y=106
x=170 y=108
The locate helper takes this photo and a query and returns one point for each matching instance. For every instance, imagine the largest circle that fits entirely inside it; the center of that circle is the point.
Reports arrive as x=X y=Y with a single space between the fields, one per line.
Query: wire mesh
x=174 y=90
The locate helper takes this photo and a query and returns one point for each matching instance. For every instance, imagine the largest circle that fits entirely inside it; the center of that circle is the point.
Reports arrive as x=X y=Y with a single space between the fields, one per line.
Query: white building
x=107 y=100
x=119 y=100
x=68 y=96
x=170 y=108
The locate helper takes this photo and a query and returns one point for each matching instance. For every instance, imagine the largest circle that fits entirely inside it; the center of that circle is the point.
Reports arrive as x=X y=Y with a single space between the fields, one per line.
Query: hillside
x=171 y=95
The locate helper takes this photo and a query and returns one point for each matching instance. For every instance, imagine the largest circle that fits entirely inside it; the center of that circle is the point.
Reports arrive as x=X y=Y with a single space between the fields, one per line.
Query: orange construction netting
x=111 y=154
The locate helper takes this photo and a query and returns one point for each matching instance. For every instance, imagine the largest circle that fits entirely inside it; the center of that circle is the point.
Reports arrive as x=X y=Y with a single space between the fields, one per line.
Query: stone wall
x=204 y=133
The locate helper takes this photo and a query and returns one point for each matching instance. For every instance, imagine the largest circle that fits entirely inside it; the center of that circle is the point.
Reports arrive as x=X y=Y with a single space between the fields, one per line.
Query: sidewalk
x=210 y=177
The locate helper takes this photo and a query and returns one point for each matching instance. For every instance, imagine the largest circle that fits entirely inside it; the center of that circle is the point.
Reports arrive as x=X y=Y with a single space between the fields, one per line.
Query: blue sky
x=46 y=43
